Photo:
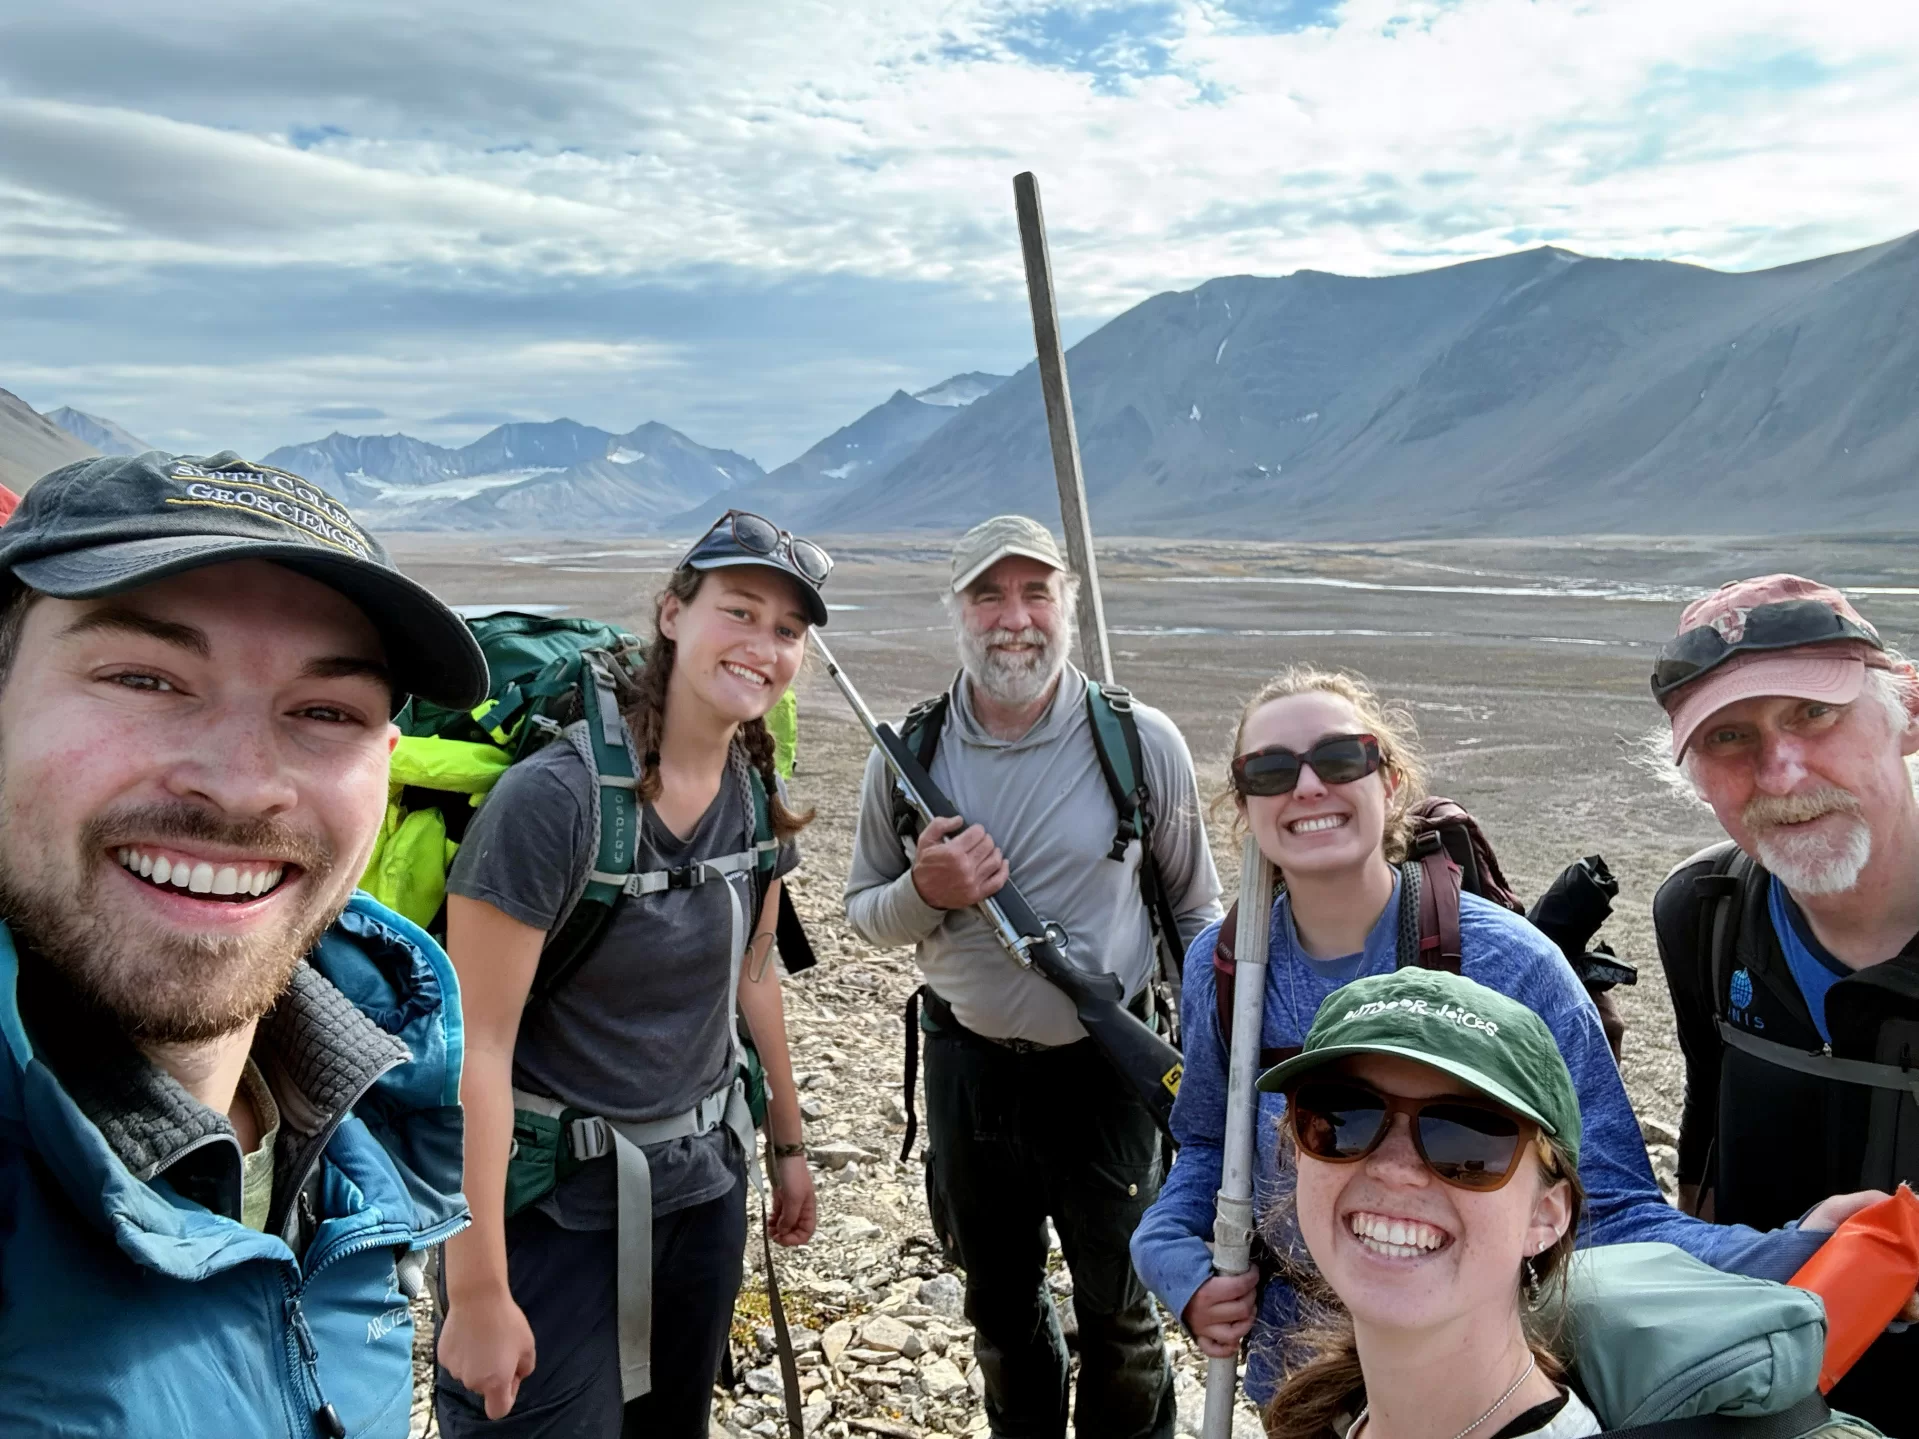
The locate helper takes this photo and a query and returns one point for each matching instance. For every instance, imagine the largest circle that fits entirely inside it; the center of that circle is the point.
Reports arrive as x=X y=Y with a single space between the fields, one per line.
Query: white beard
x=1012 y=679
x=1816 y=863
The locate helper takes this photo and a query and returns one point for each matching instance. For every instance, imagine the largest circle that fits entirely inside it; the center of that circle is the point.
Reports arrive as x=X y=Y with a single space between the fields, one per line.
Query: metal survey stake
x=1059 y=426
x=1233 y=1214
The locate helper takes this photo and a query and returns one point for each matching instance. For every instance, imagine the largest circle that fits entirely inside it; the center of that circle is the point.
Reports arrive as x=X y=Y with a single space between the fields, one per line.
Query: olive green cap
x=991 y=541
x=1486 y=1040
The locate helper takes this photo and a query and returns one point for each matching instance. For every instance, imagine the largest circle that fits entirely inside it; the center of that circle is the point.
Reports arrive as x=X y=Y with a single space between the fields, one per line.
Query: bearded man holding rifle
x=1024 y=1120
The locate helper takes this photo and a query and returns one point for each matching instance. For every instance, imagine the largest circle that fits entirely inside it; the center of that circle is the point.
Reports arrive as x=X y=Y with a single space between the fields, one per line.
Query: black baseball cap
x=740 y=537
x=106 y=525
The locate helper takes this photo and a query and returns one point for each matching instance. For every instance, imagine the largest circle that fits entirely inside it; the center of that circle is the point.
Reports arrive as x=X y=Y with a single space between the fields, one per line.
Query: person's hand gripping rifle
x=1147 y=1062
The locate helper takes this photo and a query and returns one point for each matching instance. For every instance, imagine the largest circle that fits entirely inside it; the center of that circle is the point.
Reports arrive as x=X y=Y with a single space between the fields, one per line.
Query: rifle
x=1147 y=1062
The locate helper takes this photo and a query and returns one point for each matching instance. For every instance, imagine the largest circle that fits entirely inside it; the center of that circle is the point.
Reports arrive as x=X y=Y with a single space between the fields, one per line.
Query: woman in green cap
x=1325 y=774
x=1436 y=1136
x=1435 y=1133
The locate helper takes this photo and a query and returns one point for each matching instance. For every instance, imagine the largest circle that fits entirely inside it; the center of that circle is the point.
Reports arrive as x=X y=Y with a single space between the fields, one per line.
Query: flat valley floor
x=1524 y=662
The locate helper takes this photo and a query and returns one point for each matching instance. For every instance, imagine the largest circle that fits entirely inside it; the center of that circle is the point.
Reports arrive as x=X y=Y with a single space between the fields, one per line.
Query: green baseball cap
x=1485 y=1039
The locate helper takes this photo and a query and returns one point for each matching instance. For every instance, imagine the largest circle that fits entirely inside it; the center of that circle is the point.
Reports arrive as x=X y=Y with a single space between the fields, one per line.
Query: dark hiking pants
x=564 y=1281
x=1012 y=1139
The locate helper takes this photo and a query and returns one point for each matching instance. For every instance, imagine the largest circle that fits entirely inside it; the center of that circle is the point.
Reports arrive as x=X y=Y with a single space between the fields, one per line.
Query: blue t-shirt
x=1813 y=966
x=1501 y=951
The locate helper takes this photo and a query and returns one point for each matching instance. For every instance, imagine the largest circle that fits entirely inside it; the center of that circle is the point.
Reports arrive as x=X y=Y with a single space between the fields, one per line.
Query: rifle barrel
x=1011 y=940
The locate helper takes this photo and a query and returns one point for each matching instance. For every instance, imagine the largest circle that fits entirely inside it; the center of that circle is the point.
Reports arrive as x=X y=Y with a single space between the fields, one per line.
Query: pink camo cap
x=1833 y=671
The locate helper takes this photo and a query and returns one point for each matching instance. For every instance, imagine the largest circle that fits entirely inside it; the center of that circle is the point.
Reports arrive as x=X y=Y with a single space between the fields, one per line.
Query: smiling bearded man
x=228 y=1117
x=1792 y=952
x=1024 y=1122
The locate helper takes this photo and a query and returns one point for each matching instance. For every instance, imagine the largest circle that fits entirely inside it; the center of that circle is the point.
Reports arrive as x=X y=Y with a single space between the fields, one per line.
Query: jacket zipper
x=324 y=1419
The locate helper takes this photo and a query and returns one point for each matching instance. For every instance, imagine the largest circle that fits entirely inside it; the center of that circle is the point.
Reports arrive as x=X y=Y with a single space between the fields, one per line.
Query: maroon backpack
x=1450 y=854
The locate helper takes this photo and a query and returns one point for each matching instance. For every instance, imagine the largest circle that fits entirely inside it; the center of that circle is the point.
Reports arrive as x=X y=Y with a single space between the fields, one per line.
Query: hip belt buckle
x=591 y=1138
x=1020 y=1046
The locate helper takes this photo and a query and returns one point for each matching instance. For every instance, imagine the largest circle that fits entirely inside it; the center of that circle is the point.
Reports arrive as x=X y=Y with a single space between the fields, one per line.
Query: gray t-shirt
x=642 y=1029
x=1043 y=799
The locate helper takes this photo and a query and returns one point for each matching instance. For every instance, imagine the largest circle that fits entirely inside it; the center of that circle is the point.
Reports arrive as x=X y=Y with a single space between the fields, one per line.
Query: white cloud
x=782 y=143
x=796 y=140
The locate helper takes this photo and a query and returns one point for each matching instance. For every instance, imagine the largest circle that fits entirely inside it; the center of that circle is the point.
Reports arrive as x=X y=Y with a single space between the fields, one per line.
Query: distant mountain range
x=866 y=449
x=555 y=476
x=1536 y=393
x=103 y=435
x=1541 y=392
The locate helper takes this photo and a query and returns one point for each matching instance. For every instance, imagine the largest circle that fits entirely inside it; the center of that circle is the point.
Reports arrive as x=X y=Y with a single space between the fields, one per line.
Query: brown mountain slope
x=31 y=444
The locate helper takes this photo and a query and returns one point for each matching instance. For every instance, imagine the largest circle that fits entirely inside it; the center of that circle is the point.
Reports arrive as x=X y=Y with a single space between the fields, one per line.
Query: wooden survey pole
x=1059 y=426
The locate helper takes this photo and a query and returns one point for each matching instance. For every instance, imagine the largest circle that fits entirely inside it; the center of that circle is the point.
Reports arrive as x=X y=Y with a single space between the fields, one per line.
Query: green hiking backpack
x=547 y=673
x=1666 y=1347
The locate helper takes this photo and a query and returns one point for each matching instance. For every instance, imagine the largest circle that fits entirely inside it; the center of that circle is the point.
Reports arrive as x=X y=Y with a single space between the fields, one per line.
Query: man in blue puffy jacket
x=229 y=1120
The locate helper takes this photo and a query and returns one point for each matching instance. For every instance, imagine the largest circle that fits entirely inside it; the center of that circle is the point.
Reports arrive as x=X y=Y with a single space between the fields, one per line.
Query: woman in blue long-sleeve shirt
x=1335 y=838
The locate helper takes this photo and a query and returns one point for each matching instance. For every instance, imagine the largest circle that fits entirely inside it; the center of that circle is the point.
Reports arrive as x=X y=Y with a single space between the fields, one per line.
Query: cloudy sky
x=247 y=222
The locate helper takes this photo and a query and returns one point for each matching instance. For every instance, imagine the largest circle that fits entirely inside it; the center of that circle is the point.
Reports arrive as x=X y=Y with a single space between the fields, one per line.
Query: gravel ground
x=1524 y=663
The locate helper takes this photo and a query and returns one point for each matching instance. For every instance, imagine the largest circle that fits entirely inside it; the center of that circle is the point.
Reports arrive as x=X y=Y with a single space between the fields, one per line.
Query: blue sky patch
x=1115 y=44
x=1740 y=78
x=305 y=137
x=1280 y=17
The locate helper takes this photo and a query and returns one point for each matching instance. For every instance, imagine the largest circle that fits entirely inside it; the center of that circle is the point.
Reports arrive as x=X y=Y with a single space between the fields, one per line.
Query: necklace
x=1524 y=1375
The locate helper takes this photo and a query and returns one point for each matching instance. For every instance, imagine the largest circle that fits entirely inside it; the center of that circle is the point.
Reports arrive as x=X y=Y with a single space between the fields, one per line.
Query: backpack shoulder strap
x=1109 y=710
x=1122 y=760
x=1226 y=990
x=1225 y=975
x=789 y=932
x=1439 y=889
x=920 y=732
x=1719 y=891
x=611 y=765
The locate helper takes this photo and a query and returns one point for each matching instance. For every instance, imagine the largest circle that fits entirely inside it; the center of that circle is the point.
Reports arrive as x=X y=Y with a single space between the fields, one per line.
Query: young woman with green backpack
x=608 y=1143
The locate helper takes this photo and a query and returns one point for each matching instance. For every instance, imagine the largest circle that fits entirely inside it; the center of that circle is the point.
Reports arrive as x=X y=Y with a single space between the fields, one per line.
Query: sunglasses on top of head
x=1336 y=759
x=1467 y=1143
x=758 y=535
x=1781 y=625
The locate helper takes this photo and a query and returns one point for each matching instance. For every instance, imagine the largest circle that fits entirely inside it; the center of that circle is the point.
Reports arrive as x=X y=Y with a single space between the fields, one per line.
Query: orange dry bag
x=1866 y=1273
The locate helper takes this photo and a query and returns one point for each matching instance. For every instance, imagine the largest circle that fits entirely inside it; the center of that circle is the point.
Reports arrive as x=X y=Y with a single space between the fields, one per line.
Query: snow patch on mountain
x=961 y=389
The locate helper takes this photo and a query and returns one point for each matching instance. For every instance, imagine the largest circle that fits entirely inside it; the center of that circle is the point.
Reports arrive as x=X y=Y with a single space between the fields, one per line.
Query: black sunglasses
x=1467 y=1143
x=1782 y=625
x=1337 y=759
x=758 y=535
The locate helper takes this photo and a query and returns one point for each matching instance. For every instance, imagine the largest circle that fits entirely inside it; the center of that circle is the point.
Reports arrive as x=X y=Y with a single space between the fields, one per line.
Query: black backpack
x=1873 y=1020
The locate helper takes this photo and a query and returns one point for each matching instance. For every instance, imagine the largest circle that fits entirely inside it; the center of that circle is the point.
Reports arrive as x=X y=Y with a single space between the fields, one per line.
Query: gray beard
x=158 y=986
x=1811 y=864
x=1010 y=680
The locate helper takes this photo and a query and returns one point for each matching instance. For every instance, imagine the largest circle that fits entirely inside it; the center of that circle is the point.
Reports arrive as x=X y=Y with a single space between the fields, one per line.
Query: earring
x=1530 y=1273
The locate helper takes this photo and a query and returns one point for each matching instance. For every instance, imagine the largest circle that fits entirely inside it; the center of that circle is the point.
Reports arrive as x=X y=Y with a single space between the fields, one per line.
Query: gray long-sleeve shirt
x=1045 y=802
